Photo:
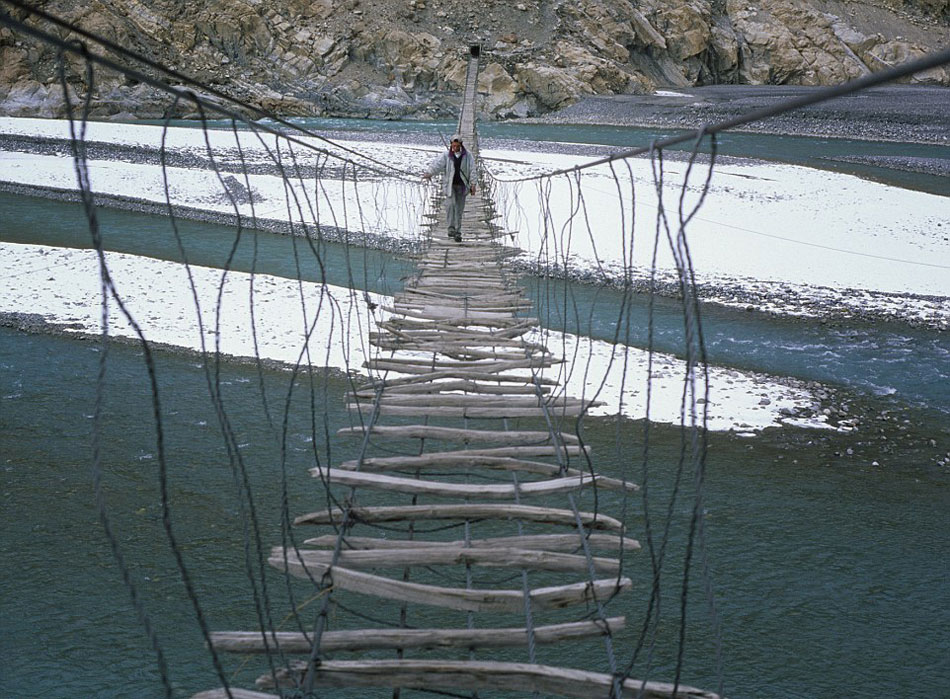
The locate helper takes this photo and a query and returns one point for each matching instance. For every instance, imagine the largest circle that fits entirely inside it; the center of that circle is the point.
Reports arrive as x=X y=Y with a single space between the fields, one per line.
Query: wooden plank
x=419 y=486
x=479 y=338
x=406 y=464
x=480 y=400
x=527 y=559
x=494 y=320
x=462 y=352
x=541 y=542
x=420 y=366
x=455 y=385
x=474 y=375
x=449 y=312
x=513 y=294
x=460 y=599
x=511 y=451
x=466 y=412
x=236 y=693
x=480 y=675
x=463 y=511
x=434 y=343
x=514 y=330
x=379 y=639
x=378 y=464
x=455 y=434
x=464 y=301
x=478 y=365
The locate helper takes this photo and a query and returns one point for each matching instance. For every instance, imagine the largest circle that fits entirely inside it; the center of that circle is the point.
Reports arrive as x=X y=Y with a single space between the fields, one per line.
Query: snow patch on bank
x=779 y=238
x=324 y=325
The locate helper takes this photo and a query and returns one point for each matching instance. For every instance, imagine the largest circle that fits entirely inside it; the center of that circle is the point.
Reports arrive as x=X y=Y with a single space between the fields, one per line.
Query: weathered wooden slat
x=512 y=451
x=478 y=338
x=488 y=274
x=446 y=296
x=541 y=542
x=222 y=693
x=419 y=486
x=379 y=464
x=455 y=555
x=456 y=434
x=456 y=385
x=474 y=412
x=515 y=294
x=379 y=639
x=488 y=367
x=420 y=366
x=495 y=463
x=464 y=511
x=436 y=312
x=474 y=375
x=451 y=314
x=513 y=330
x=459 y=281
x=465 y=302
x=452 y=296
x=461 y=599
x=480 y=400
x=473 y=675
x=436 y=344
x=464 y=352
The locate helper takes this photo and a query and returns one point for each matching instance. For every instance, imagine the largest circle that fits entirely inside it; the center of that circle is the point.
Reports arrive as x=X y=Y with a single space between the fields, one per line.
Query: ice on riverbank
x=63 y=286
x=779 y=238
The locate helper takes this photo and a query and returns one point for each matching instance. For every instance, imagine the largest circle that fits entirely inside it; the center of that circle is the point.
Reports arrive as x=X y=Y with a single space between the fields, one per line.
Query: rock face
x=396 y=58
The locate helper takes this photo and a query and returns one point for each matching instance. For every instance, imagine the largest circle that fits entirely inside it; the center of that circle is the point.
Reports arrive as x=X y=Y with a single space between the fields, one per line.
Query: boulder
x=499 y=88
x=686 y=28
x=788 y=42
x=551 y=86
x=598 y=75
x=887 y=54
x=646 y=33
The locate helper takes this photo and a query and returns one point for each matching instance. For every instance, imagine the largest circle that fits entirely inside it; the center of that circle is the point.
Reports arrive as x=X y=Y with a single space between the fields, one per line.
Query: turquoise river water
x=829 y=572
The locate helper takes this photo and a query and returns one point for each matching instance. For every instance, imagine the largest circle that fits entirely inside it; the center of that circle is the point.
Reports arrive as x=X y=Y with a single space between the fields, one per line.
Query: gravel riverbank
x=906 y=113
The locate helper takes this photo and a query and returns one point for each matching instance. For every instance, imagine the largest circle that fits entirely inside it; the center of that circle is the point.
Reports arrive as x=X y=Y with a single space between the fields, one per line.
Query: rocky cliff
x=395 y=58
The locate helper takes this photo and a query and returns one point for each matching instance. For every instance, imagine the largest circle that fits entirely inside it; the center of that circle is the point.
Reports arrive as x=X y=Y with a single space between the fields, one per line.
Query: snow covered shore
x=778 y=238
x=328 y=326
x=789 y=239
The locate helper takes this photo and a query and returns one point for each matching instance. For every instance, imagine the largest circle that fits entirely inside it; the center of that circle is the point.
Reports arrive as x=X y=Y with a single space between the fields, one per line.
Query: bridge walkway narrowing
x=482 y=539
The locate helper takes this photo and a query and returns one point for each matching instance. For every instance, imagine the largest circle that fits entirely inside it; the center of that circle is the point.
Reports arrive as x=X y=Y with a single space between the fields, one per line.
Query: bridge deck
x=454 y=370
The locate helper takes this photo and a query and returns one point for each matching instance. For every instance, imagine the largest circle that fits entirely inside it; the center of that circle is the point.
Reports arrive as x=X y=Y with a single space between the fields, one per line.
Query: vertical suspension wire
x=80 y=165
x=651 y=616
x=696 y=536
x=250 y=518
x=108 y=290
x=242 y=489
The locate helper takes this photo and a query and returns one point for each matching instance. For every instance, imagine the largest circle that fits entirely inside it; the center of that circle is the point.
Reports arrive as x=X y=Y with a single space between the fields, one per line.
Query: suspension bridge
x=476 y=542
x=455 y=369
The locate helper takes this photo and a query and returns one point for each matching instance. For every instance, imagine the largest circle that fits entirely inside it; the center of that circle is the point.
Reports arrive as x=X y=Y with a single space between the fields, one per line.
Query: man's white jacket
x=444 y=164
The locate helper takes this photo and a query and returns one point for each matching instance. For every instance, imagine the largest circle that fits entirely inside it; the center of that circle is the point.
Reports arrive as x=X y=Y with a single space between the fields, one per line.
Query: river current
x=827 y=551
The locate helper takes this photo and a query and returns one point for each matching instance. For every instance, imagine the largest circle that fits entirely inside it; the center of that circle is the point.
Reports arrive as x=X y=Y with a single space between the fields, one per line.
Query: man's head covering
x=456 y=137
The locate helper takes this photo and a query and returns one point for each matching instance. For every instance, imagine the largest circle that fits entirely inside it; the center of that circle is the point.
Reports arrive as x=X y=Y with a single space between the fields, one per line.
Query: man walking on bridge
x=457 y=166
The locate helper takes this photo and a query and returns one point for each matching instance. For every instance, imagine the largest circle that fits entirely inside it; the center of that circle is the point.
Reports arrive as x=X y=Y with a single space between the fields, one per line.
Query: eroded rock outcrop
x=407 y=57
